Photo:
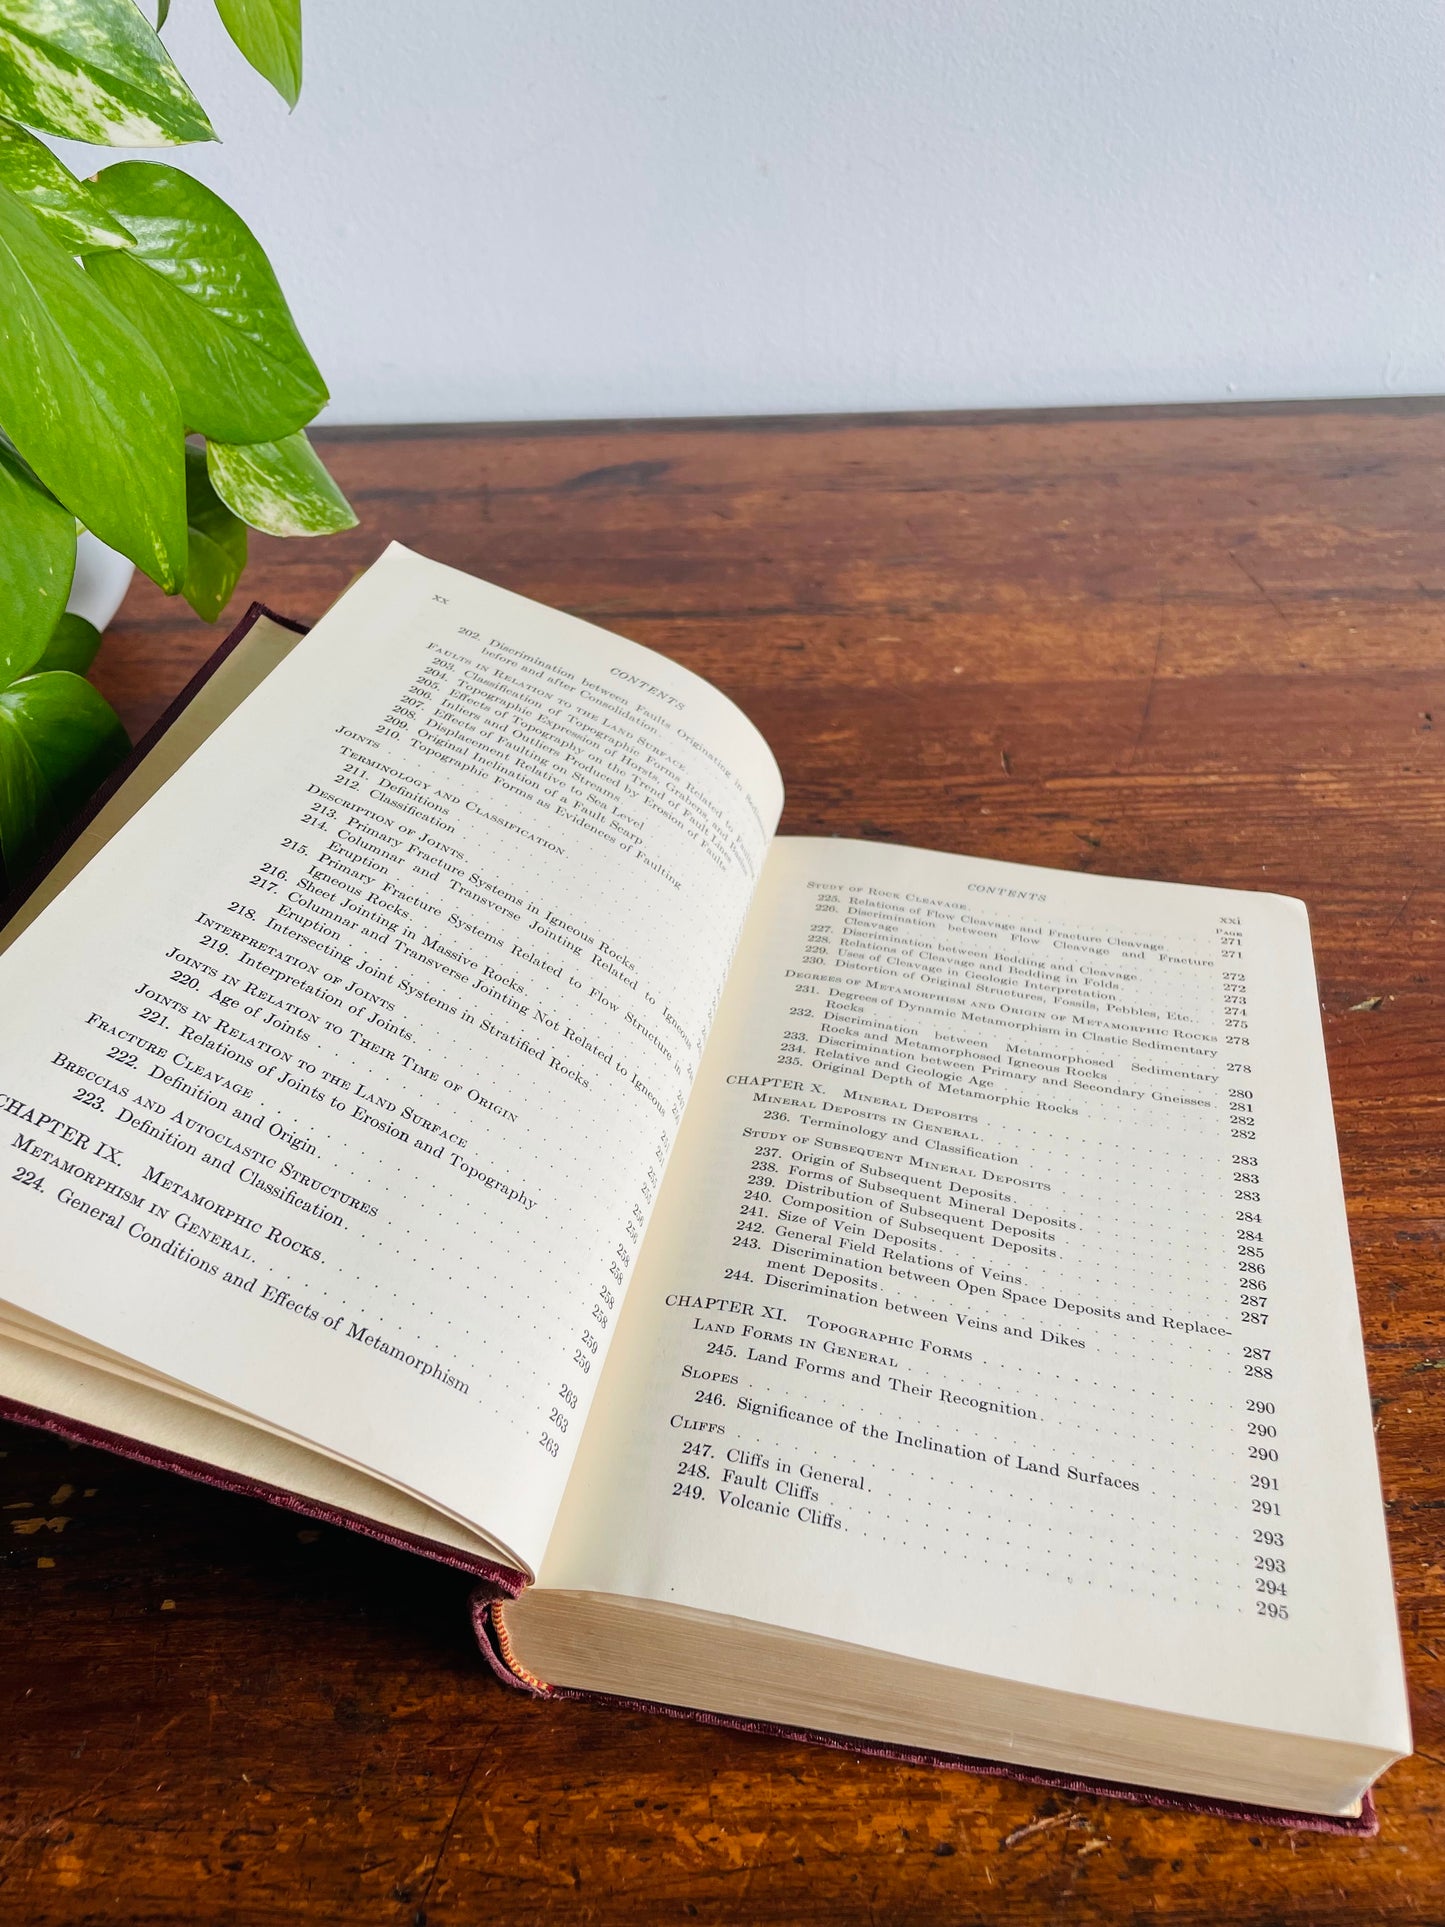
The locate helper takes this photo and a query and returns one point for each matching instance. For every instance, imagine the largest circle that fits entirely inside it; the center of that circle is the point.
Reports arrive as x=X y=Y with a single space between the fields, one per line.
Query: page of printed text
x=339 y=1085
x=999 y=1309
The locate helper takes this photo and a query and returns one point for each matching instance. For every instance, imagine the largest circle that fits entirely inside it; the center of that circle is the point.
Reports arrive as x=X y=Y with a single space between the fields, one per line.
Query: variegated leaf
x=69 y=208
x=280 y=487
x=94 y=72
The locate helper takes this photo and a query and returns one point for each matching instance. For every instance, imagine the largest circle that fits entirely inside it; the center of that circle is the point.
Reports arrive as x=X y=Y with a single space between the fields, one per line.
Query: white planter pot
x=101 y=580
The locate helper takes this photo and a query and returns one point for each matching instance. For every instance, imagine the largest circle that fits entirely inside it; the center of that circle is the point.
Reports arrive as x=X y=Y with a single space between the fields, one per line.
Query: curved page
x=339 y=1084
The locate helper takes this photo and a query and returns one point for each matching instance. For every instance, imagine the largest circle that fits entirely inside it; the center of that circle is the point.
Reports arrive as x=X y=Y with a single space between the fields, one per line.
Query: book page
x=998 y=1311
x=339 y=1083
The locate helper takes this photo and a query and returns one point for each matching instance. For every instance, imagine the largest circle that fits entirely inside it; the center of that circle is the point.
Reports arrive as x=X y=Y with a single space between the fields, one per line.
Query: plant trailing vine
x=153 y=385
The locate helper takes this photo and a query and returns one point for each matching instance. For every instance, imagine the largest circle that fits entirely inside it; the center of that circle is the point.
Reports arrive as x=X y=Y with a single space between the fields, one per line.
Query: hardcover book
x=870 y=1293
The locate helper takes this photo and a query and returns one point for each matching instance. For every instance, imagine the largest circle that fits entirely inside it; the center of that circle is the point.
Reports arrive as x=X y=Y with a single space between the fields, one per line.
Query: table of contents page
x=351 y=1064
x=1003 y=1254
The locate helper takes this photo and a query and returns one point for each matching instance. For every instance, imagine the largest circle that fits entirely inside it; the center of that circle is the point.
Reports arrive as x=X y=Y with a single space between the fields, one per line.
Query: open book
x=881 y=1293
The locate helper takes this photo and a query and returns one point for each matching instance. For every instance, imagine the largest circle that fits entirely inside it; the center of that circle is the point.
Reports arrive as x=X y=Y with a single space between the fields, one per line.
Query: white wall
x=554 y=208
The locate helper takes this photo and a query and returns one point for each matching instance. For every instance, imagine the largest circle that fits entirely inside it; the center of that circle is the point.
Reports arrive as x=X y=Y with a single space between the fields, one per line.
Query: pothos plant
x=153 y=386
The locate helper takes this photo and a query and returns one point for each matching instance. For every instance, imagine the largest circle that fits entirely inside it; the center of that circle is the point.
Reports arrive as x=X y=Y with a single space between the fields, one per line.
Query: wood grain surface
x=1202 y=644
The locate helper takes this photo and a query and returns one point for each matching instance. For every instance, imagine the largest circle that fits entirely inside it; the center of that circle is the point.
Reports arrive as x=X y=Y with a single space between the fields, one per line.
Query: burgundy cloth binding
x=500 y=1583
x=505 y=1583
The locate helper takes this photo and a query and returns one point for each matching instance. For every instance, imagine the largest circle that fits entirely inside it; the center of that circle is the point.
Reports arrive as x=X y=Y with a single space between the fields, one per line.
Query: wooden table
x=1206 y=644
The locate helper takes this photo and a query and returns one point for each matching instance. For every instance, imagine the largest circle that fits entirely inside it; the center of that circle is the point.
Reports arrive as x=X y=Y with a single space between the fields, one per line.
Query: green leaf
x=200 y=289
x=268 y=32
x=163 y=10
x=87 y=404
x=59 y=738
x=94 y=72
x=23 y=803
x=281 y=487
x=68 y=208
x=74 y=644
x=37 y=562
x=218 y=542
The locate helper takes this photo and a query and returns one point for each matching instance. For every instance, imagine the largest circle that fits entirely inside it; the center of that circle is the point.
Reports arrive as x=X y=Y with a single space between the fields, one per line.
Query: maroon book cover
x=496 y=1583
